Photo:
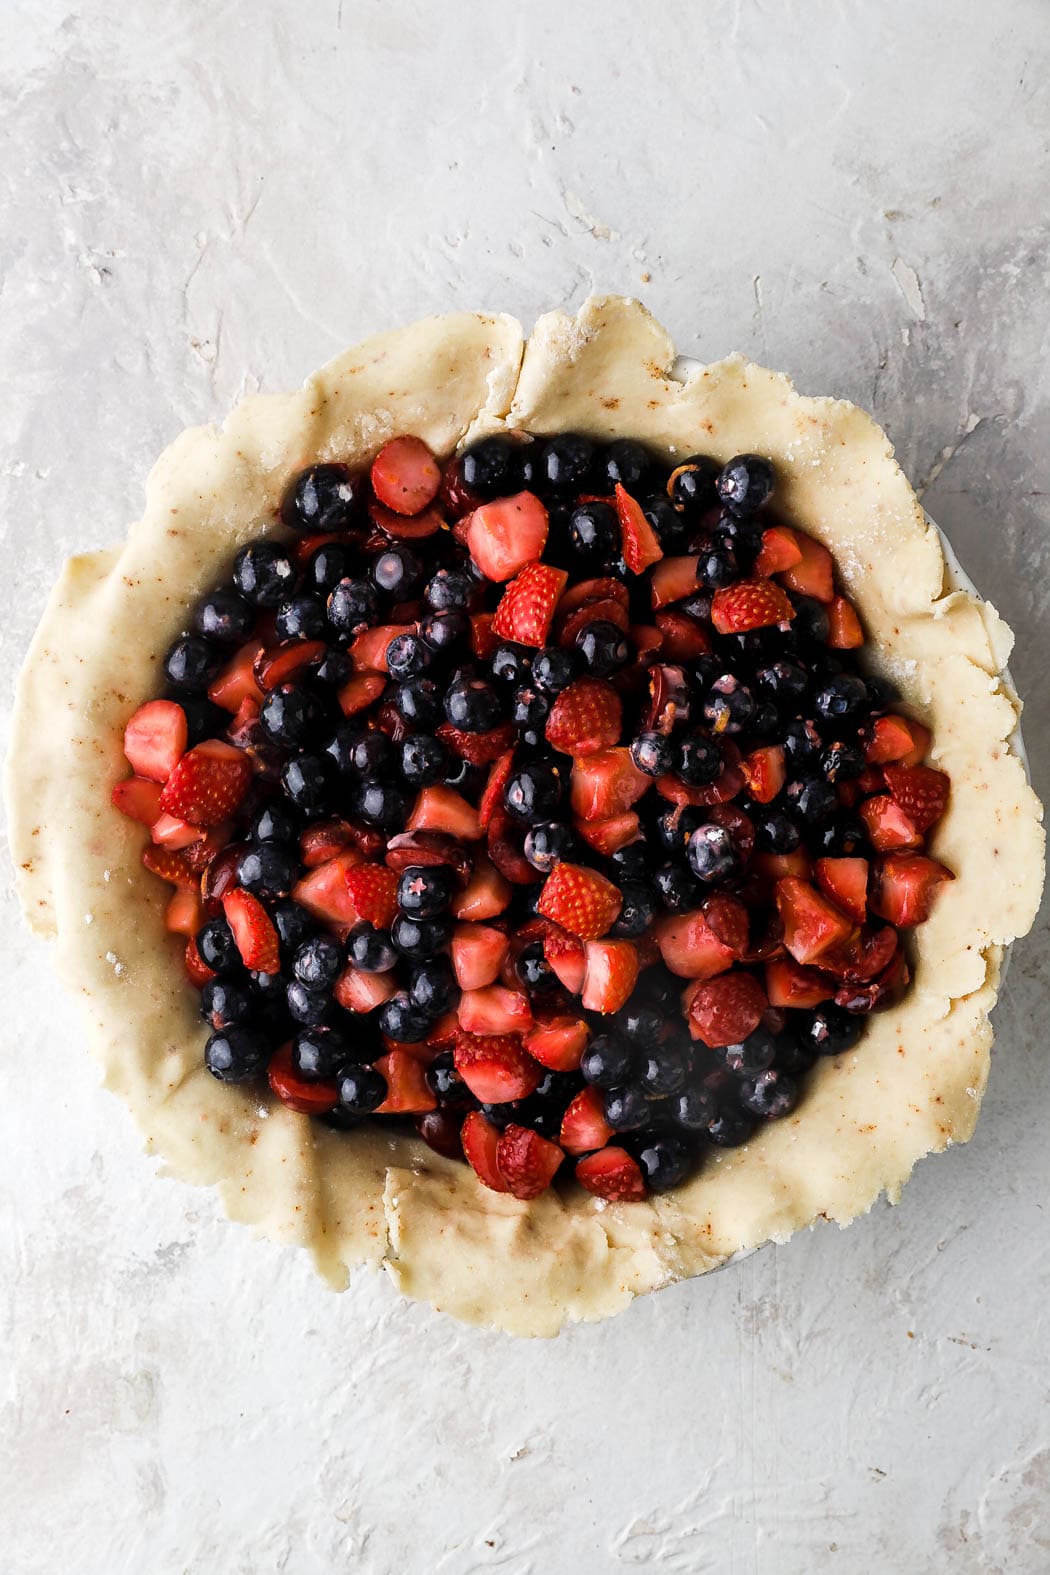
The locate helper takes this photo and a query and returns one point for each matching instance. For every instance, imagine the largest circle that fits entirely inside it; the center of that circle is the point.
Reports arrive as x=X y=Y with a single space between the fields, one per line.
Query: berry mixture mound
x=537 y=798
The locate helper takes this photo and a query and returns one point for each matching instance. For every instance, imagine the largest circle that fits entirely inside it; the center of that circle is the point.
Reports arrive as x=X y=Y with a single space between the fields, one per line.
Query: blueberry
x=234 y=1055
x=472 y=705
x=226 y=1002
x=424 y=759
x=533 y=793
x=608 y=1061
x=729 y=705
x=305 y=782
x=670 y=525
x=217 y=946
x=712 y=854
x=353 y=605
x=529 y=709
x=811 y=620
x=783 y=681
x=400 y=1020
x=751 y=1056
x=408 y=655
x=424 y=890
x=637 y=911
x=292 y=923
x=881 y=694
x=301 y=618
x=643 y=1023
x=745 y=483
x=695 y=1108
x=772 y=1094
x=844 y=836
x=603 y=647
x=730 y=1127
x=433 y=988
x=793 y=1056
x=677 y=888
x=829 y=1030
x=487 y=467
x=419 y=702
x=443 y=631
x=466 y=778
x=319 y=1052
x=511 y=663
x=801 y=742
x=742 y=537
x=203 y=719
x=445 y=1082
x=625 y=1108
x=775 y=832
x=553 y=669
x=533 y=969
x=653 y=753
x=419 y=939
x=632 y=862
x=676 y=825
x=225 y=617
x=547 y=844
x=318 y=962
x=361 y=1089
x=699 y=759
x=192 y=663
x=450 y=590
x=717 y=567
x=665 y=1158
x=691 y=486
x=398 y=572
x=625 y=462
x=289 y=714
x=322 y=499
x=331 y=562
x=306 y=1006
x=335 y=668
x=269 y=869
x=594 y=531
x=263 y=573
x=843 y=699
x=342 y=750
x=563 y=464
x=813 y=800
x=842 y=762
x=381 y=803
x=664 y=1068
x=371 y=949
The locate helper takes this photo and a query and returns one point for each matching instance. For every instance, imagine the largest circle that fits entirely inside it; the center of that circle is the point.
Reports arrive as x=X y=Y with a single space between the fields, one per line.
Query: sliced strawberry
x=358 y=991
x=222 y=873
x=904 y=887
x=845 y=881
x=526 y=608
x=478 y=951
x=612 y=1174
x=750 y=604
x=606 y=783
x=155 y=739
x=888 y=826
x=428 y=848
x=456 y=497
x=610 y=835
x=281 y=663
x=323 y=839
x=368 y=651
x=878 y=994
x=407 y=1090
x=764 y=772
x=253 y=931
x=484 y=641
x=373 y=891
x=690 y=947
x=580 y=900
x=583 y=1126
x=868 y=954
x=728 y=918
x=492 y=794
x=720 y=791
x=405 y=475
x=197 y=970
x=406 y=527
x=359 y=692
x=309 y=1098
x=495 y=1067
x=486 y=894
x=725 y=1010
x=669 y=697
x=171 y=865
x=610 y=974
x=480 y=749
x=814 y=574
x=811 y=924
x=480 y=1141
x=673 y=579
x=303 y=548
x=586 y=716
x=207 y=784
x=897 y=738
x=558 y=1043
x=441 y=808
x=237 y=681
x=325 y=893
x=780 y=551
x=504 y=536
x=684 y=639
x=844 y=627
x=788 y=984
x=168 y=831
x=647 y=640
x=567 y=957
x=527 y=1162
x=921 y=792
x=138 y=799
x=506 y=842
x=641 y=548
x=184 y=914
x=586 y=592
x=607 y=611
x=494 y=1009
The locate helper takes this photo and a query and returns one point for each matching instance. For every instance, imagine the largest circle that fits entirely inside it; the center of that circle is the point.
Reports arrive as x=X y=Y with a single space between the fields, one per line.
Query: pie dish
x=910 y=1086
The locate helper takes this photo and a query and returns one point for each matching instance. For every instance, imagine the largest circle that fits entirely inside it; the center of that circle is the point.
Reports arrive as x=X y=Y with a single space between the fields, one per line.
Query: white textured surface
x=206 y=198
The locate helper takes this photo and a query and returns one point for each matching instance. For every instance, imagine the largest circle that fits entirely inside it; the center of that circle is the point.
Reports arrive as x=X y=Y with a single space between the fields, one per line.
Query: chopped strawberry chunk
x=171 y=865
x=606 y=783
x=363 y=992
x=641 y=548
x=844 y=627
x=609 y=835
x=405 y=475
x=750 y=604
x=253 y=931
x=359 y=692
x=586 y=592
x=441 y=808
x=484 y=641
x=323 y=840
x=486 y=894
x=184 y=914
x=373 y=891
x=495 y=1067
x=583 y=1126
x=480 y=1141
x=610 y=974
x=587 y=716
x=494 y=1009
x=788 y=984
x=764 y=772
x=504 y=536
x=408 y=1092
x=138 y=799
x=845 y=881
x=580 y=900
x=880 y=993
x=478 y=951
x=921 y=792
x=526 y=609
x=368 y=651
x=197 y=970
x=325 y=892
x=811 y=924
x=155 y=739
x=814 y=574
x=607 y=611
x=684 y=639
x=169 y=831
x=527 y=1162
x=888 y=826
x=481 y=749
x=780 y=551
x=720 y=791
x=904 y=887
x=869 y=953
x=612 y=1174
x=282 y=663
x=670 y=694
x=897 y=738
x=673 y=580
x=690 y=947
x=558 y=1043
x=237 y=681
x=207 y=784
x=309 y=1098
x=725 y=1010
x=492 y=795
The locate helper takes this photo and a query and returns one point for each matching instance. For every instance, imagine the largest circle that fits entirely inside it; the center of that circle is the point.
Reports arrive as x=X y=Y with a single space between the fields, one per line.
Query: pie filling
x=537 y=799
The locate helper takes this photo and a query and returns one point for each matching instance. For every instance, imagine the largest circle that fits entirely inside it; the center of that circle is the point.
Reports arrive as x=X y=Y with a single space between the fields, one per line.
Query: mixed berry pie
x=527 y=819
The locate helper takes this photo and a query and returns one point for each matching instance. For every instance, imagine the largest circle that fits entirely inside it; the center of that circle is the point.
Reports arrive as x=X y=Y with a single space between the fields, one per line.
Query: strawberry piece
x=359 y=692
x=684 y=639
x=480 y=749
x=428 y=848
x=609 y=835
x=237 y=681
x=586 y=716
x=811 y=924
x=221 y=874
x=484 y=641
x=844 y=627
x=253 y=931
x=641 y=548
x=286 y=661
x=669 y=697
x=478 y=951
x=492 y=794
x=606 y=783
x=138 y=799
x=486 y=894
x=506 y=840
x=690 y=947
x=647 y=640
x=170 y=865
x=527 y=1162
x=309 y=1098
x=456 y=497
x=904 y=888
x=888 y=826
x=845 y=881
x=814 y=574
x=558 y=1043
x=405 y=475
x=373 y=891
x=480 y=1140
x=368 y=651
x=879 y=993
x=610 y=974
x=155 y=739
x=441 y=808
x=921 y=792
x=895 y=738
x=168 y=831
x=404 y=527
x=764 y=773
x=869 y=953
x=580 y=900
x=780 y=551
x=323 y=840
x=303 y=548
x=673 y=579
x=788 y=984
x=184 y=914
x=612 y=1174
x=583 y=1126
x=197 y=970
x=728 y=919
x=567 y=957
x=725 y=1010
x=494 y=1009
x=502 y=537
x=583 y=592
x=495 y=1067
x=325 y=892
x=607 y=611
x=750 y=604
x=526 y=608
x=363 y=992
x=407 y=1090
x=720 y=791
x=207 y=784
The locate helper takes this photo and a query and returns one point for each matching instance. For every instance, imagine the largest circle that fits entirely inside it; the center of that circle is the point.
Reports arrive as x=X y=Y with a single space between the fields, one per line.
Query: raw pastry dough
x=913 y=1085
